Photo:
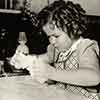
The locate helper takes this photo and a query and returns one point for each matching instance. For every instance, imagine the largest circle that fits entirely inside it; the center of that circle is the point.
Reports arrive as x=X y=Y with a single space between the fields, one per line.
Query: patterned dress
x=69 y=60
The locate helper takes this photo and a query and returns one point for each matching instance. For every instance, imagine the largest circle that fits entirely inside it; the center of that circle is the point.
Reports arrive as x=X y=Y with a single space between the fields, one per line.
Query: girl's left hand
x=41 y=71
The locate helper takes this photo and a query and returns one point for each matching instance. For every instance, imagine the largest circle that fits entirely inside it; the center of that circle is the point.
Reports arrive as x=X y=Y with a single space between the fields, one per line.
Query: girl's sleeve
x=89 y=55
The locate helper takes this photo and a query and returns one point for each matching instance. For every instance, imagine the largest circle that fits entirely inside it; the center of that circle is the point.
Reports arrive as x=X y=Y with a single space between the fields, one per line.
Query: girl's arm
x=82 y=77
x=88 y=73
x=44 y=57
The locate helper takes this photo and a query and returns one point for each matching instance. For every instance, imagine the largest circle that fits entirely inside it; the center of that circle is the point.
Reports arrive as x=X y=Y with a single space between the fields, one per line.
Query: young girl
x=75 y=59
x=71 y=62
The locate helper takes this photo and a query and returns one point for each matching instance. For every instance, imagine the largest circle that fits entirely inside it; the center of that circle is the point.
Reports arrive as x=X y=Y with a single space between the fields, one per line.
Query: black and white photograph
x=49 y=50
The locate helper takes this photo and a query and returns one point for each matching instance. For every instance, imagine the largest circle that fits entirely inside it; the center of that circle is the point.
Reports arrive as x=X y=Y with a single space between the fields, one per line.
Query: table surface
x=25 y=88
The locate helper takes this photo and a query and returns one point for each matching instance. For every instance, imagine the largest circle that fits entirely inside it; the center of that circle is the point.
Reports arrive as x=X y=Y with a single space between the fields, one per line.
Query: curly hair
x=68 y=16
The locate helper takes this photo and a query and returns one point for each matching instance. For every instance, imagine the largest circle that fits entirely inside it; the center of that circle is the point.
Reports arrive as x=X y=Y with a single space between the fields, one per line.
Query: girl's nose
x=52 y=40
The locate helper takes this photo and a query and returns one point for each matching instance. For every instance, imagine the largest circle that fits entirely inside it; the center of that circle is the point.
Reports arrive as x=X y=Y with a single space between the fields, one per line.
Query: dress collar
x=72 y=48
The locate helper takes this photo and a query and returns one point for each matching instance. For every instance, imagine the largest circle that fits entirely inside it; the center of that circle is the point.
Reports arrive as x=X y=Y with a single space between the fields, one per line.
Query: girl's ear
x=52 y=25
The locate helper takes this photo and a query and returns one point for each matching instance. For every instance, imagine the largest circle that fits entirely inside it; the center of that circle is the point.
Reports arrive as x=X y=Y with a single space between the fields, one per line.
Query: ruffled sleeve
x=89 y=54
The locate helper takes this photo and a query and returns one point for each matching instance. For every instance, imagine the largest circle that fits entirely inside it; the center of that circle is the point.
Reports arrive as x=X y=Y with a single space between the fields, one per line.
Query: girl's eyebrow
x=55 y=35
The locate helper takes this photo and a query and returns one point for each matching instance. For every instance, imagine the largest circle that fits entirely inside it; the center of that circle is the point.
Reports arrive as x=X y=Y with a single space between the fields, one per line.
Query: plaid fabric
x=70 y=62
x=78 y=90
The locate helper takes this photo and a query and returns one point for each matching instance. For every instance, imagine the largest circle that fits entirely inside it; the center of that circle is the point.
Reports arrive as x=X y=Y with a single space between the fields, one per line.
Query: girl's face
x=57 y=37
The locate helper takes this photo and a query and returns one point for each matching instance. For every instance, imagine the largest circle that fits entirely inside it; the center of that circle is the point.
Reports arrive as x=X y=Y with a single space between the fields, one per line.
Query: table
x=24 y=88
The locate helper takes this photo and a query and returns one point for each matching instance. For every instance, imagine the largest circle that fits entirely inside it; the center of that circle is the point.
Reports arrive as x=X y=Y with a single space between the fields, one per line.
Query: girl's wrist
x=51 y=72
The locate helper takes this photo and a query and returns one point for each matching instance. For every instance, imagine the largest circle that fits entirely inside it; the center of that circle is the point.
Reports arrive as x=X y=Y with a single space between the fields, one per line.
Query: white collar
x=74 y=46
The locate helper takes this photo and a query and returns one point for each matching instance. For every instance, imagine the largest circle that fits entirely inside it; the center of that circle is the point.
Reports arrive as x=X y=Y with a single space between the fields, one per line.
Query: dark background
x=10 y=26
